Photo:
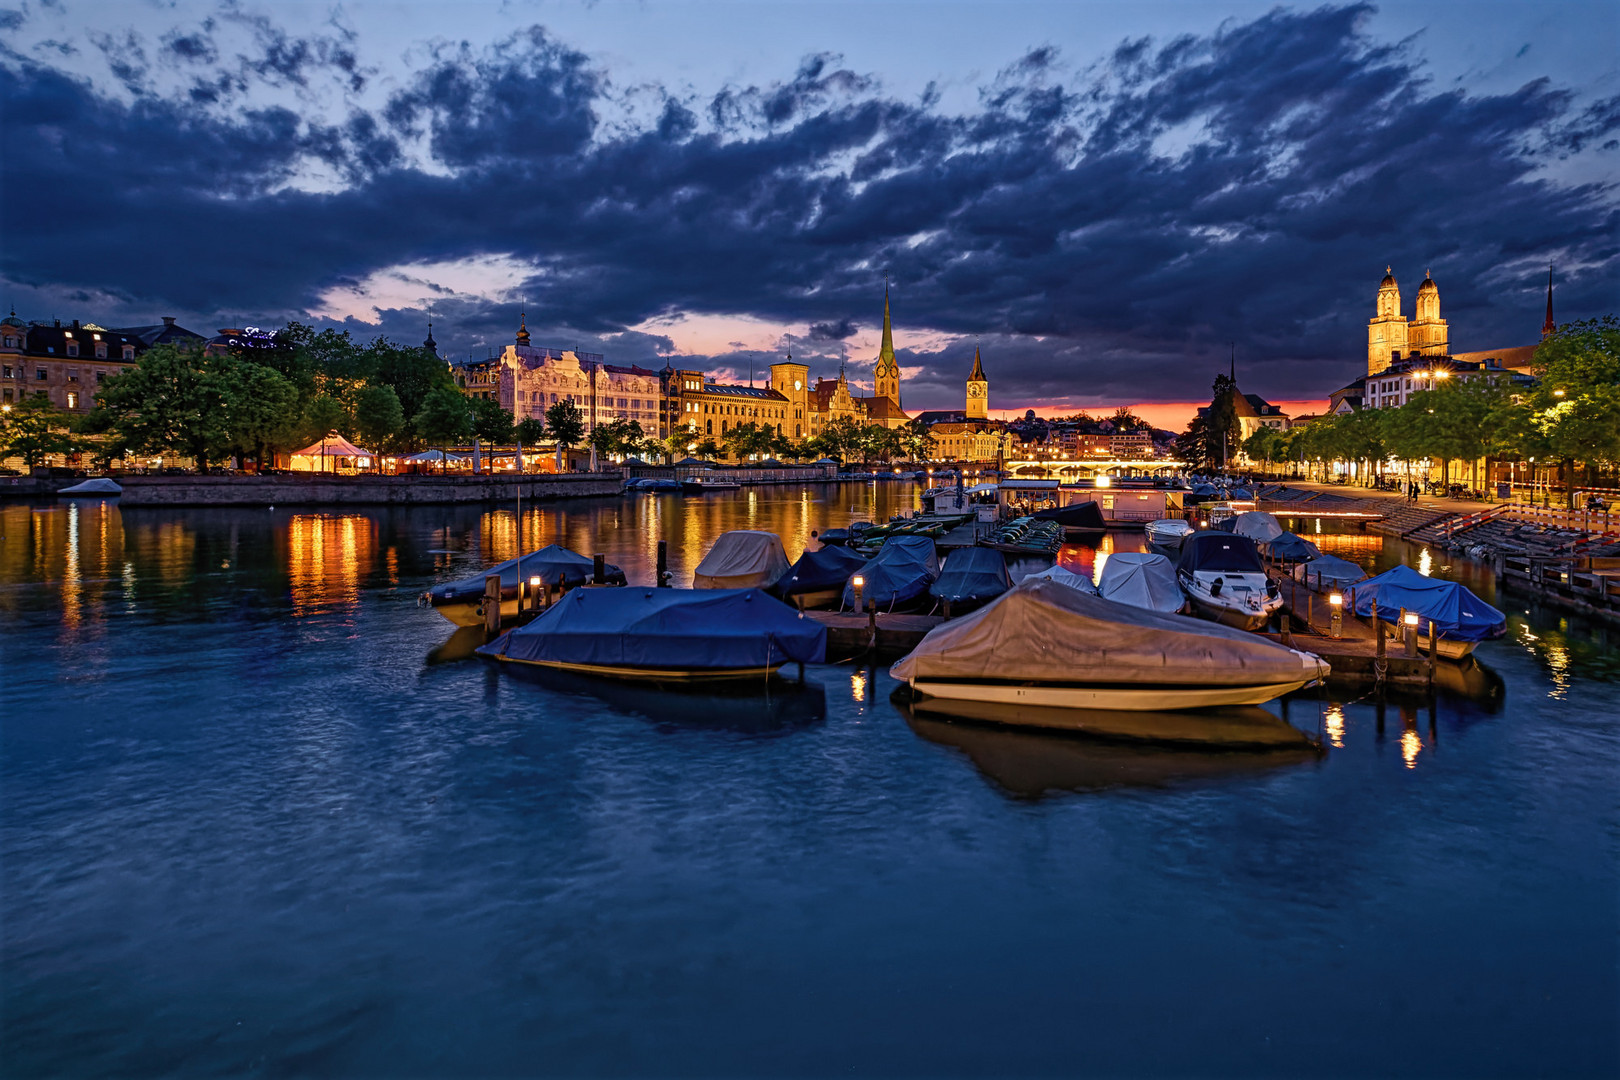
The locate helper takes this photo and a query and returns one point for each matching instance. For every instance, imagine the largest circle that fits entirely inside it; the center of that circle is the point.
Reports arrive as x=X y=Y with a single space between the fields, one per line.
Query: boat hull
x=817 y=599
x=1448 y=650
x=1241 y=619
x=471 y=613
x=1071 y=706
x=638 y=674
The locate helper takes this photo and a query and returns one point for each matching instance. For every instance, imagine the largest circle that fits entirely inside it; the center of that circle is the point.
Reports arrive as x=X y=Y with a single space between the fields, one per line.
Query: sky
x=1106 y=199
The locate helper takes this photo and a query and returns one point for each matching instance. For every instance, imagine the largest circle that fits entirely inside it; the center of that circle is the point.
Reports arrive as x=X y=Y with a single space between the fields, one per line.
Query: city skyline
x=1100 y=208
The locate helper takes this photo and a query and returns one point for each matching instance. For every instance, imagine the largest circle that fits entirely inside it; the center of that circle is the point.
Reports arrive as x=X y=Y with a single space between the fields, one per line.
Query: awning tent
x=332 y=448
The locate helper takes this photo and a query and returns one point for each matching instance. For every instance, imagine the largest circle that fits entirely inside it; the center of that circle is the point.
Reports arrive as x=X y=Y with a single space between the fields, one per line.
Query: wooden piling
x=599 y=569
x=1378 y=629
x=663 y=565
x=492 y=604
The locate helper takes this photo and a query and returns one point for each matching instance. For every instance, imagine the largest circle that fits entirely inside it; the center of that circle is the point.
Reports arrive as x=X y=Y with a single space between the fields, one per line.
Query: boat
x=1141 y=579
x=845 y=536
x=1168 y=533
x=1460 y=619
x=1219 y=514
x=1064 y=576
x=1026 y=536
x=1222 y=575
x=652 y=484
x=742 y=559
x=1290 y=548
x=664 y=635
x=1047 y=645
x=897 y=577
x=99 y=488
x=1257 y=525
x=1078 y=520
x=817 y=580
x=970 y=578
x=462 y=601
x=1328 y=572
x=697 y=485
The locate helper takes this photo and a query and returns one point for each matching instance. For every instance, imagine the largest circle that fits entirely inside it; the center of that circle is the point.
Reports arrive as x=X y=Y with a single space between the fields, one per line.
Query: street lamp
x=1336 y=617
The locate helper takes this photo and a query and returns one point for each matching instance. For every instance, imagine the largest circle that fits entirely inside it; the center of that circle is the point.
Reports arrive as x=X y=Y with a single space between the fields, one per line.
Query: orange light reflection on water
x=328 y=557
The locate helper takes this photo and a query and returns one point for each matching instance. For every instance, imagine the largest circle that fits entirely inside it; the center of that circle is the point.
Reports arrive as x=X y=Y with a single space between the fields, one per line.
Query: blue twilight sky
x=1103 y=196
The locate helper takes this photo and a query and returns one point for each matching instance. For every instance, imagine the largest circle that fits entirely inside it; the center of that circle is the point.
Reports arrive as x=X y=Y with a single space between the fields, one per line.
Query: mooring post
x=1378 y=629
x=1432 y=654
x=492 y=604
x=599 y=569
x=663 y=564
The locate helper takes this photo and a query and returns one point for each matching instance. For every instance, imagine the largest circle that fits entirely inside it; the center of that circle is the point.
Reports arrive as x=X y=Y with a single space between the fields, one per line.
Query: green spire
x=886 y=353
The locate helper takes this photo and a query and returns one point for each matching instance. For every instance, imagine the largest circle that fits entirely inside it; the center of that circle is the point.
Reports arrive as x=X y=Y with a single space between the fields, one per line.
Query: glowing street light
x=1336 y=618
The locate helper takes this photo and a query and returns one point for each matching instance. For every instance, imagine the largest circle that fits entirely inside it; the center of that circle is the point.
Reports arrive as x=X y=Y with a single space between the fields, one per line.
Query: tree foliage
x=32 y=429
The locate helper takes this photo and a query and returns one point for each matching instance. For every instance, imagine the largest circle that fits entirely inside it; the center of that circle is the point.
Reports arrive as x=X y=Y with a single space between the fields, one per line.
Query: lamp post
x=1336 y=618
x=1409 y=621
x=858 y=583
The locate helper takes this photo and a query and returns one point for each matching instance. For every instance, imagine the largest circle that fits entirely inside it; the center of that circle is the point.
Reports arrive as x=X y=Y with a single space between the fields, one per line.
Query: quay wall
x=358 y=490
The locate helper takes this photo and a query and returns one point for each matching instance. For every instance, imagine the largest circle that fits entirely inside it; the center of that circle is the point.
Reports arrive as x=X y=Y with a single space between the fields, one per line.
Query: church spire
x=886 y=353
x=886 y=373
x=977 y=374
x=1549 y=326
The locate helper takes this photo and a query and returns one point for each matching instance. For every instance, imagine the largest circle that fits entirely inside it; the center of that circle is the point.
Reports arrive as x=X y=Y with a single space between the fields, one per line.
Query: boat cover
x=1457 y=613
x=1330 y=570
x=829 y=568
x=901 y=571
x=1219 y=552
x=99 y=486
x=1141 y=579
x=1257 y=525
x=1064 y=576
x=742 y=559
x=675 y=629
x=549 y=563
x=972 y=573
x=1083 y=515
x=1292 y=548
x=1041 y=631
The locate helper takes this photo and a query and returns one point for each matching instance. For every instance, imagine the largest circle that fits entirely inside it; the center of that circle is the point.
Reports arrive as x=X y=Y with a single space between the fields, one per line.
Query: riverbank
x=315 y=490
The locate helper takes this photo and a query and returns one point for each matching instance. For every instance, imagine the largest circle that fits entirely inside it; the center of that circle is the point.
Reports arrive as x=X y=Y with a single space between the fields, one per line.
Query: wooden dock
x=1354 y=654
x=887 y=635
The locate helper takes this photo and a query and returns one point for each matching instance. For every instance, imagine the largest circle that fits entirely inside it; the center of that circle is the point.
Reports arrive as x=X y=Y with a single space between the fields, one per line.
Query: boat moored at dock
x=1047 y=645
x=1223 y=576
x=742 y=559
x=1168 y=533
x=970 y=578
x=1459 y=619
x=1141 y=579
x=817 y=580
x=462 y=601
x=897 y=577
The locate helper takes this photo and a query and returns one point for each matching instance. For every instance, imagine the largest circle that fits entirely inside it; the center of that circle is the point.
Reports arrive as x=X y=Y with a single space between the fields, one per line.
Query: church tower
x=1427 y=333
x=1386 y=332
x=1548 y=328
x=978 y=391
x=886 y=375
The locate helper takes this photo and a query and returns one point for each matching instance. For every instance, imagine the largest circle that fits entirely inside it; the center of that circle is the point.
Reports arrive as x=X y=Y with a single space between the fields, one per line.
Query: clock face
x=797 y=385
x=975 y=391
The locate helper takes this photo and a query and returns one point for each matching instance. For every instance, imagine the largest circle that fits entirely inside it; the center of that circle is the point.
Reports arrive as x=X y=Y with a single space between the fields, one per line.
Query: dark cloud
x=1107 y=233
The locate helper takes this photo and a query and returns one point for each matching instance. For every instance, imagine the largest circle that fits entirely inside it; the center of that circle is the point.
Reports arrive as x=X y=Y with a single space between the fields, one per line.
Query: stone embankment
x=358 y=490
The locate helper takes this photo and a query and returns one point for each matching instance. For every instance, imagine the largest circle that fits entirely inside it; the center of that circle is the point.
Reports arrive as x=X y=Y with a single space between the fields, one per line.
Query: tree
x=1265 y=446
x=413 y=372
x=1193 y=445
x=1125 y=420
x=1223 y=434
x=444 y=418
x=33 y=429
x=680 y=442
x=262 y=406
x=378 y=418
x=1576 y=405
x=840 y=438
x=707 y=448
x=173 y=400
x=918 y=441
x=566 y=425
x=529 y=430
x=490 y=422
x=617 y=438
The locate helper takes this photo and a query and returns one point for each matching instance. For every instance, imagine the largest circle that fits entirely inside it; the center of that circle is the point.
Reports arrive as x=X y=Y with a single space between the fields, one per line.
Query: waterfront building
x=710 y=409
x=61 y=364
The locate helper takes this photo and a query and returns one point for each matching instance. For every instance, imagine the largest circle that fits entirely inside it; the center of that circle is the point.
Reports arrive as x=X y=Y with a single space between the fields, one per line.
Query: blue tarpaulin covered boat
x=970 y=578
x=1291 y=548
x=898 y=575
x=1459 y=617
x=665 y=634
x=459 y=600
x=818 y=578
x=1329 y=572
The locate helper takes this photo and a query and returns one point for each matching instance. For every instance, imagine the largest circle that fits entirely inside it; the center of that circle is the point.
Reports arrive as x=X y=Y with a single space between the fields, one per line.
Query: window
x=101 y=377
x=73 y=348
x=11 y=343
x=101 y=350
x=5 y=372
x=73 y=375
x=39 y=375
x=73 y=399
x=129 y=352
x=5 y=395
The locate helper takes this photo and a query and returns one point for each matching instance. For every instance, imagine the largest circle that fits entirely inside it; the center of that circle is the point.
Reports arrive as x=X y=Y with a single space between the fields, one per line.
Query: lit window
x=73 y=399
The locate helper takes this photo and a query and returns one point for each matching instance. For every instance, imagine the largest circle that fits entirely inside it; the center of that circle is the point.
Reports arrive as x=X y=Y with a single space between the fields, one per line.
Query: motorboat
x=1328 y=572
x=664 y=635
x=1064 y=576
x=1258 y=526
x=1222 y=575
x=1291 y=548
x=462 y=601
x=742 y=559
x=1047 y=645
x=1460 y=619
x=1078 y=520
x=1027 y=536
x=1141 y=579
x=655 y=484
x=970 y=578
x=697 y=485
x=897 y=577
x=817 y=580
x=99 y=488
x=1168 y=533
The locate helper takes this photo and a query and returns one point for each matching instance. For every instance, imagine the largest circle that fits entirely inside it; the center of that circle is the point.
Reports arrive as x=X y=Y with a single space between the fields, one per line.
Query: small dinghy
x=1142 y=580
x=970 y=578
x=742 y=559
x=898 y=576
x=99 y=488
x=462 y=601
x=1044 y=644
x=1168 y=533
x=817 y=580
x=1077 y=519
x=1222 y=575
x=664 y=635
x=1460 y=619
x=1064 y=576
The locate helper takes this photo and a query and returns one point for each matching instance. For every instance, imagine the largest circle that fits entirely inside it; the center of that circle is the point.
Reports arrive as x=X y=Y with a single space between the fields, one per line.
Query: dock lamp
x=534 y=592
x=859 y=583
x=1409 y=622
x=1336 y=616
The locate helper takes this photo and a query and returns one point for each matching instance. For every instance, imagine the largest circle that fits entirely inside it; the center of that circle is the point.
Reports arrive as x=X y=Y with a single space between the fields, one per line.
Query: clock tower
x=791 y=380
x=886 y=373
x=978 y=391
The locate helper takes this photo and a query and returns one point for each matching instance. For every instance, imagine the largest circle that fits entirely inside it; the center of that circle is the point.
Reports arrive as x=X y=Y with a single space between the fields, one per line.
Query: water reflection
x=1030 y=765
x=774 y=705
x=328 y=555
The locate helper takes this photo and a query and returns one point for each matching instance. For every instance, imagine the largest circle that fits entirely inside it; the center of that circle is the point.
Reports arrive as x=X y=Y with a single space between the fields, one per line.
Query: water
x=246 y=826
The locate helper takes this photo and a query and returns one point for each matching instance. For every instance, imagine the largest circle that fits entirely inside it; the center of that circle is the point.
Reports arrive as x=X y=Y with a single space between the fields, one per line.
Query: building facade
x=64 y=365
x=1392 y=337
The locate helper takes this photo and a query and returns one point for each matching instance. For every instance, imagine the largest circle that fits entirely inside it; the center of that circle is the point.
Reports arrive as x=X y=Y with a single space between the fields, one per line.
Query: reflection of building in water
x=328 y=558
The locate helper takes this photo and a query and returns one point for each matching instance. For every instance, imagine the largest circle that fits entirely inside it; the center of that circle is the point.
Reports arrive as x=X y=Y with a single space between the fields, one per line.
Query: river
x=255 y=820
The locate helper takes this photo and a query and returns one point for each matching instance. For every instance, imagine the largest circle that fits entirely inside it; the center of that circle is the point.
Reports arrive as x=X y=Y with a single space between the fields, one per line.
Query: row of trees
x=1571 y=415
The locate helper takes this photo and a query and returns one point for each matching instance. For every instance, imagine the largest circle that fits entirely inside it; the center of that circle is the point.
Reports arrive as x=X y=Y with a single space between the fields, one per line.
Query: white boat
x=1045 y=644
x=742 y=559
x=1168 y=532
x=1216 y=513
x=1141 y=579
x=100 y=487
x=697 y=485
x=1222 y=575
